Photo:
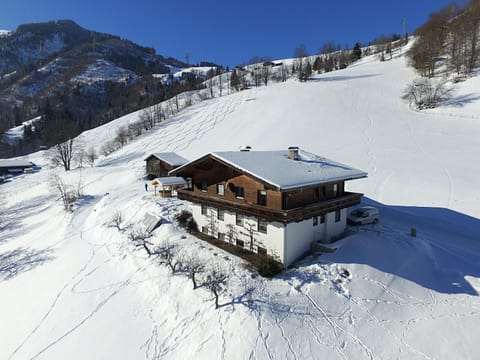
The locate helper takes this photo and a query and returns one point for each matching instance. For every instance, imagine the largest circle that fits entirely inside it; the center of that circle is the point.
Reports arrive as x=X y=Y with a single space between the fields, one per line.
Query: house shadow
x=444 y=252
x=21 y=260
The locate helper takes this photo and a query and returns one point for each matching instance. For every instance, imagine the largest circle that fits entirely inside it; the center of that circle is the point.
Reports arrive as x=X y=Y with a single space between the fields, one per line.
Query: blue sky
x=228 y=32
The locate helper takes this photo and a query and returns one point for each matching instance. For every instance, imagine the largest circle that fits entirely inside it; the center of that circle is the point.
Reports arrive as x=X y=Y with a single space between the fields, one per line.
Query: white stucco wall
x=288 y=242
x=300 y=235
x=273 y=240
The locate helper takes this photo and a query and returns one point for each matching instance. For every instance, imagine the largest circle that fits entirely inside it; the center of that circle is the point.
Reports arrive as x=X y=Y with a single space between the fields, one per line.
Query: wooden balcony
x=284 y=216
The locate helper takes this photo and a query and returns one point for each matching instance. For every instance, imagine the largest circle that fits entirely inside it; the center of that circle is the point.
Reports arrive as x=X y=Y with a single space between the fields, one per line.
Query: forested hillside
x=75 y=79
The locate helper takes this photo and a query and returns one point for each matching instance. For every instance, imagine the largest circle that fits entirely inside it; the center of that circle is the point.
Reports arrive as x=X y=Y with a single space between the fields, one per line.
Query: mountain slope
x=49 y=70
x=402 y=297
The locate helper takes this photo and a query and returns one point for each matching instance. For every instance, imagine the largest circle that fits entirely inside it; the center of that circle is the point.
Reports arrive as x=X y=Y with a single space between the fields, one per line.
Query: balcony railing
x=284 y=216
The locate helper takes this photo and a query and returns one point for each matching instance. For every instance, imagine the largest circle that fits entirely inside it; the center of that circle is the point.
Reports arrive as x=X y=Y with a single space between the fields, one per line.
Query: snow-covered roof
x=15 y=163
x=170 y=158
x=277 y=169
x=169 y=181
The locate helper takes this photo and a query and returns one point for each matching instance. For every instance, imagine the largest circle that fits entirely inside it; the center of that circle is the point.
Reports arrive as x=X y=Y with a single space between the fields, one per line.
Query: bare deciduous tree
x=147 y=118
x=232 y=233
x=216 y=281
x=68 y=193
x=265 y=74
x=212 y=222
x=92 y=156
x=62 y=154
x=426 y=93
x=122 y=136
x=117 y=219
x=139 y=236
x=284 y=72
x=169 y=254
x=193 y=266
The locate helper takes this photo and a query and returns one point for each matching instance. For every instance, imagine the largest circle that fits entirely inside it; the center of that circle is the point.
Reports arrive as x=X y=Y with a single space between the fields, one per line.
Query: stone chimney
x=293 y=152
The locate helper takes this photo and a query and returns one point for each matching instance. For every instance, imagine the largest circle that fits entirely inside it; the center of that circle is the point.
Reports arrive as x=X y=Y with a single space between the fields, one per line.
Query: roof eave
x=325 y=181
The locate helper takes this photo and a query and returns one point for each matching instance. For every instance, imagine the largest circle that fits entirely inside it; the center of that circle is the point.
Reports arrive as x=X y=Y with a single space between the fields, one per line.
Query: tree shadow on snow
x=12 y=223
x=342 y=78
x=444 y=251
x=463 y=100
x=15 y=262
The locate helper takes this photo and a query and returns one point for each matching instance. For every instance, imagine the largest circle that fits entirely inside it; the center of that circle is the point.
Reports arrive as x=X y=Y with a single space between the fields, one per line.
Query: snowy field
x=73 y=288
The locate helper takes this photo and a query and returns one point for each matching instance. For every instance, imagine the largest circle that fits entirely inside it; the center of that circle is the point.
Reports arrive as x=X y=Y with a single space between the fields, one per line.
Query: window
x=322 y=219
x=239 y=219
x=203 y=186
x=220 y=189
x=262 y=197
x=240 y=243
x=335 y=190
x=262 y=225
x=204 y=209
x=205 y=229
x=239 y=192
x=261 y=251
x=316 y=193
x=315 y=220
x=337 y=215
x=221 y=214
x=221 y=236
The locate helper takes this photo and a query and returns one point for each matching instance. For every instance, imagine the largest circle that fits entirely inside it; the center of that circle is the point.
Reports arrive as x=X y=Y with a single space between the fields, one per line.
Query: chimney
x=293 y=152
x=246 y=148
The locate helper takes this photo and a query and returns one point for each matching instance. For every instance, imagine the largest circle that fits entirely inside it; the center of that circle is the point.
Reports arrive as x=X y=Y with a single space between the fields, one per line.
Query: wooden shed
x=167 y=186
x=15 y=166
x=159 y=164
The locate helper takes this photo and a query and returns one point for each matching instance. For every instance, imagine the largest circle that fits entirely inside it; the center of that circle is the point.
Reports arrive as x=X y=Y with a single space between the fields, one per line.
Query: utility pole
x=187 y=58
x=40 y=51
x=405 y=34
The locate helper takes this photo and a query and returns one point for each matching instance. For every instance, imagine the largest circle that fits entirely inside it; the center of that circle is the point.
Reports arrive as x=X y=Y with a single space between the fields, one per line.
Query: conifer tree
x=234 y=80
x=356 y=52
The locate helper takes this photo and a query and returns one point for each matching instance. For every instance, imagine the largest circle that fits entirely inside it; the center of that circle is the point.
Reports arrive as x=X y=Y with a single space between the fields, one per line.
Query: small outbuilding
x=167 y=186
x=159 y=164
x=15 y=166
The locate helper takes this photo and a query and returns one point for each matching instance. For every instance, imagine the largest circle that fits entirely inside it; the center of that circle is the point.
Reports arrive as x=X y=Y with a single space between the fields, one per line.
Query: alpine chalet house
x=270 y=202
x=159 y=164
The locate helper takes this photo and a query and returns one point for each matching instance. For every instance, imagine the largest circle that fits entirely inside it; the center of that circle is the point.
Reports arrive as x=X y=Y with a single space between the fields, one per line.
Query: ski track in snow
x=336 y=327
x=278 y=323
x=269 y=313
x=179 y=133
x=52 y=305
x=60 y=293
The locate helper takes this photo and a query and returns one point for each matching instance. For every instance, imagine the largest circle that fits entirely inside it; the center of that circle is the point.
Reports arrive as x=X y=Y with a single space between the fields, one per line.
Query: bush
x=186 y=221
x=267 y=266
x=427 y=93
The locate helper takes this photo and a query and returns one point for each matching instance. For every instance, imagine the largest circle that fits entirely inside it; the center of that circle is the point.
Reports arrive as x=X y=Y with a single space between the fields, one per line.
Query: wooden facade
x=217 y=184
x=159 y=166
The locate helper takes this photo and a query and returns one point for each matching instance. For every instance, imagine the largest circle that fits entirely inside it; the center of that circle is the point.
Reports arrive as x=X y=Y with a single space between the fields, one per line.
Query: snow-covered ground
x=79 y=289
x=104 y=70
x=15 y=134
